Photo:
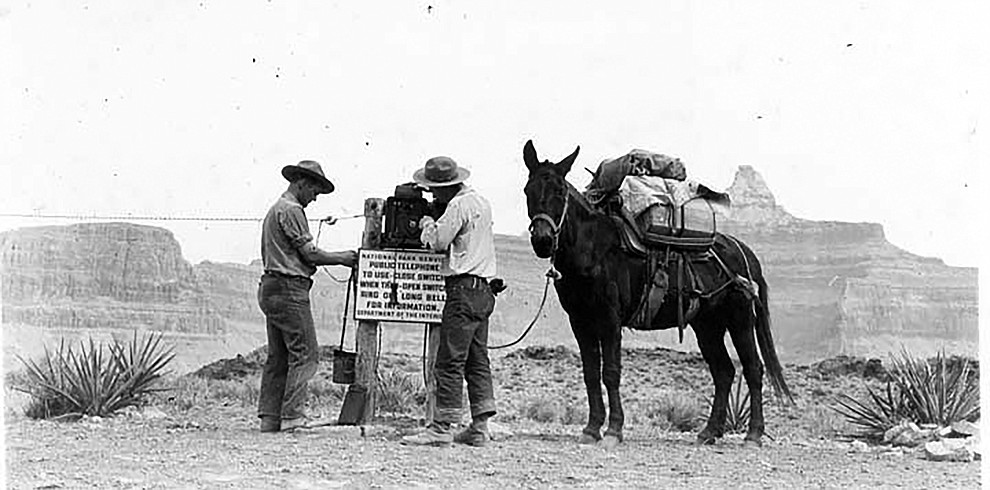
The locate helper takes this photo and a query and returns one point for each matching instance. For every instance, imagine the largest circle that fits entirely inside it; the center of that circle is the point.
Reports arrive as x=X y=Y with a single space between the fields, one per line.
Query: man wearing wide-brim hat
x=464 y=231
x=290 y=256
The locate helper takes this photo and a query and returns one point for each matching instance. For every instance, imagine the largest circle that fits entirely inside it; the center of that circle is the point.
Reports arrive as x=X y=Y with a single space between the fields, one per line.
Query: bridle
x=555 y=226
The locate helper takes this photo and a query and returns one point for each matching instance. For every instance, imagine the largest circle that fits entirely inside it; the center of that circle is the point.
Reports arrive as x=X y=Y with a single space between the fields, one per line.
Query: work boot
x=434 y=435
x=472 y=436
x=270 y=424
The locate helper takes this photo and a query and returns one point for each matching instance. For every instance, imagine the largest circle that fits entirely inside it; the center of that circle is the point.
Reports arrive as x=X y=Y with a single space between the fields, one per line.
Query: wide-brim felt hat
x=440 y=172
x=311 y=170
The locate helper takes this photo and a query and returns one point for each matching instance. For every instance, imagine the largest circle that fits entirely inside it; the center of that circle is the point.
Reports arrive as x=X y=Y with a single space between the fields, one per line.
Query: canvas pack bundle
x=672 y=212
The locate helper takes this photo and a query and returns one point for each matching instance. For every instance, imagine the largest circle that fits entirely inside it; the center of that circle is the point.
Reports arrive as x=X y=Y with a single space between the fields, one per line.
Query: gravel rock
x=964 y=428
x=949 y=450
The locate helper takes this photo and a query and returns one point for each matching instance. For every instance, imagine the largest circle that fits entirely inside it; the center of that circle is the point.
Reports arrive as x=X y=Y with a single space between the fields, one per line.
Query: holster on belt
x=497 y=285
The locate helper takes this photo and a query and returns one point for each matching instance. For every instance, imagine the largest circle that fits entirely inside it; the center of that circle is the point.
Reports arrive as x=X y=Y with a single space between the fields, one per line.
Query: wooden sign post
x=366 y=369
x=393 y=285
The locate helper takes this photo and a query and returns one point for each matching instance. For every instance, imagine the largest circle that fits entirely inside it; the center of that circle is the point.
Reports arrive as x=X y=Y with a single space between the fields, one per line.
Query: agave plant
x=937 y=391
x=737 y=412
x=884 y=410
x=95 y=379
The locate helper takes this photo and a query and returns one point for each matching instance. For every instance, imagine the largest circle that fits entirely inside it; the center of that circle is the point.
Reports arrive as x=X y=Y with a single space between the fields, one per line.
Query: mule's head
x=546 y=199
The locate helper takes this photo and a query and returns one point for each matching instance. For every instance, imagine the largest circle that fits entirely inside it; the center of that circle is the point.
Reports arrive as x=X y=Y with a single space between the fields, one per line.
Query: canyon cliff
x=835 y=288
x=842 y=288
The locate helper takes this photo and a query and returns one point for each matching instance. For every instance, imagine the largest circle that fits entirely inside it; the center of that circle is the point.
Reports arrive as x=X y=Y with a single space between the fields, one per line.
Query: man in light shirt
x=464 y=231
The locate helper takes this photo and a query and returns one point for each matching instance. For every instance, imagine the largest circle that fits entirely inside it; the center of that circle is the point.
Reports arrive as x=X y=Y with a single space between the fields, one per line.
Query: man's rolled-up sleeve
x=294 y=225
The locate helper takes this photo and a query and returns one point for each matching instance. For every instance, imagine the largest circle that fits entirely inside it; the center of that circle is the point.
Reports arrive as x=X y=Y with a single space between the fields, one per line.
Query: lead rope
x=546 y=287
x=551 y=274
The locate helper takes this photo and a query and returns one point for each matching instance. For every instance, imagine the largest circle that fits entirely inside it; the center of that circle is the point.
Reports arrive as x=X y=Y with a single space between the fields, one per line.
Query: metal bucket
x=343 y=366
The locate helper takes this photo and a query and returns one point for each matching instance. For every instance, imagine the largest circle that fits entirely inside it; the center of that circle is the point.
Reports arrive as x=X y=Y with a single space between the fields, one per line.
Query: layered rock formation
x=835 y=288
x=108 y=280
x=106 y=275
x=842 y=288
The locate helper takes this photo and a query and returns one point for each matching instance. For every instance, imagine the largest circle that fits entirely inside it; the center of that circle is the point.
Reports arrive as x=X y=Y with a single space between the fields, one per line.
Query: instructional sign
x=400 y=286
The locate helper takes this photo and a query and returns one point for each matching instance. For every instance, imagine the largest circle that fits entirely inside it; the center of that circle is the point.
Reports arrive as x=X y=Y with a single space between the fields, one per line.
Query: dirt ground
x=219 y=446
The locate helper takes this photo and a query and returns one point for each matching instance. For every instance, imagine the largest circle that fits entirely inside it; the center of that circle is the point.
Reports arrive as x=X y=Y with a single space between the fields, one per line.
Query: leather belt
x=282 y=275
x=470 y=279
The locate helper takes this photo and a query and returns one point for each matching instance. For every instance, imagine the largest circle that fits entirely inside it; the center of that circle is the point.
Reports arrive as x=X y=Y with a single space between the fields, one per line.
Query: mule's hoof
x=588 y=439
x=752 y=443
x=706 y=439
x=609 y=442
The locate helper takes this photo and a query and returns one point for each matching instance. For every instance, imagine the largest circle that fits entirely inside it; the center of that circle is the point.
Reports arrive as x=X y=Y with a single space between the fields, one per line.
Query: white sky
x=851 y=110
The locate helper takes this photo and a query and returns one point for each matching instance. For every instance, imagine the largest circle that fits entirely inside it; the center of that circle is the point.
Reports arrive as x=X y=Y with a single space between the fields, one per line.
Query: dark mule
x=600 y=286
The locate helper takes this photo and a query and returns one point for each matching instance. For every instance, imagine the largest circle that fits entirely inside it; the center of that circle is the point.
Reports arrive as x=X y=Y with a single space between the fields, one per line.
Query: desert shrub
x=676 y=411
x=191 y=391
x=573 y=414
x=94 y=379
x=546 y=409
x=187 y=392
x=184 y=392
x=937 y=391
x=243 y=391
x=400 y=392
x=552 y=410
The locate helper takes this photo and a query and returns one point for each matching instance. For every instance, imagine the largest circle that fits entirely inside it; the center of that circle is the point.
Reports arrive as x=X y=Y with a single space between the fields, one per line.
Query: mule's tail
x=765 y=339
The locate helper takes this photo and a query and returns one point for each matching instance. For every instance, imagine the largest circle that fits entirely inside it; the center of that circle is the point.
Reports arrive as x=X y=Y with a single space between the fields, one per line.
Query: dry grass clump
x=400 y=392
x=547 y=409
x=187 y=392
x=675 y=411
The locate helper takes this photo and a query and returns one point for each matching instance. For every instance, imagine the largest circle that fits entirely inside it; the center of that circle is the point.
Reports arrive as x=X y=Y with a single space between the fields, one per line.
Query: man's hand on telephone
x=350 y=258
x=424 y=221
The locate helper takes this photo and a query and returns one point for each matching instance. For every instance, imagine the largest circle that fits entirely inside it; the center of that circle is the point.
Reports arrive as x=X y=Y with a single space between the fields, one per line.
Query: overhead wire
x=131 y=217
x=328 y=219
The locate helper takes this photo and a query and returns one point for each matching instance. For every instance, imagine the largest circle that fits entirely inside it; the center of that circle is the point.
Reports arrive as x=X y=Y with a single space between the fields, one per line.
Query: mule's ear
x=565 y=165
x=529 y=155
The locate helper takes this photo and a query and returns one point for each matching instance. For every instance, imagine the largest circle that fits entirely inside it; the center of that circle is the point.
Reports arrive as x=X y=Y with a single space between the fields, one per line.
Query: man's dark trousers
x=463 y=350
x=293 y=353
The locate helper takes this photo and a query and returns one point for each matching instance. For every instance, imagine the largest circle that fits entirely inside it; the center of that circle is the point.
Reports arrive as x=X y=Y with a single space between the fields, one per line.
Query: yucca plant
x=936 y=391
x=872 y=418
x=95 y=379
x=737 y=412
